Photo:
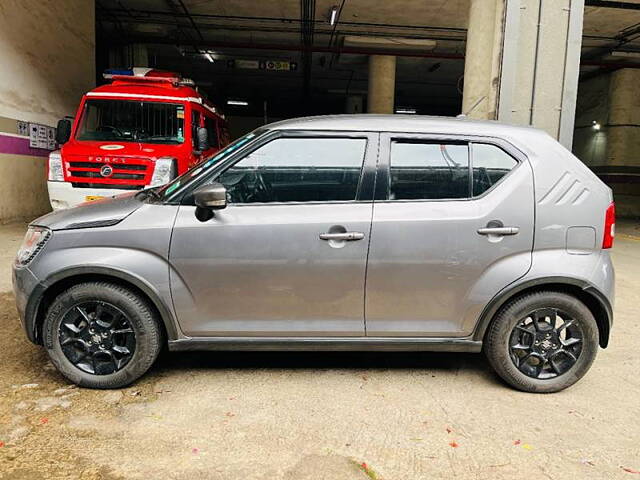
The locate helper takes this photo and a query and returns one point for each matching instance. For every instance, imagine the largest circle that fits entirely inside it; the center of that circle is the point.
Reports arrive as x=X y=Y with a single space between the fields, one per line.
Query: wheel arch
x=54 y=285
x=595 y=301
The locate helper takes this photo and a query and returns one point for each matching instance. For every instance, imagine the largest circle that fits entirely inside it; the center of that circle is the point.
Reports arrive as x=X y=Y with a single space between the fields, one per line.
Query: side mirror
x=212 y=196
x=63 y=131
x=203 y=139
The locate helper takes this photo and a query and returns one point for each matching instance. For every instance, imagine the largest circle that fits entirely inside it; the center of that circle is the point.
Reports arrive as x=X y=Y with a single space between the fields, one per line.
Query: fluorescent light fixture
x=208 y=56
x=240 y=103
x=333 y=16
x=595 y=125
x=406 y=110
x=625 y=54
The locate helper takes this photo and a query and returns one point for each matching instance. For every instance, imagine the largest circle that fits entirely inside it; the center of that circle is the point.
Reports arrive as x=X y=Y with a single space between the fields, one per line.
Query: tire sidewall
x=139 y=315
x=497 y=345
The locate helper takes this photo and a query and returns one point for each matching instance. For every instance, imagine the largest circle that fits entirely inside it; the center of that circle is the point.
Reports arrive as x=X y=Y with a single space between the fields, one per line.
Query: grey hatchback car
x=361 y=232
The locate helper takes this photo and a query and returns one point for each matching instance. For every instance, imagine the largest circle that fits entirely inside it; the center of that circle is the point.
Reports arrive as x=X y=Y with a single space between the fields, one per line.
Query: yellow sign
x=91 y=198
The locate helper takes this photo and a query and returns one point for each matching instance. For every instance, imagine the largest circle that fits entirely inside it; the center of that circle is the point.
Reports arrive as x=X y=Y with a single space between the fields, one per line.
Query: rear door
x=452 y=225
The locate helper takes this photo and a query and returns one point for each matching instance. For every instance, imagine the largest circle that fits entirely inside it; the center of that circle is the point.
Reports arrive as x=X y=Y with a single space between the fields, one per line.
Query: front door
x=452 y=225
x=287 y=256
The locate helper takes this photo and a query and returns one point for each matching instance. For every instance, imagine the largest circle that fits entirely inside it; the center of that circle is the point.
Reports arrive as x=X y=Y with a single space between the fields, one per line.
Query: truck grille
x=134 y=174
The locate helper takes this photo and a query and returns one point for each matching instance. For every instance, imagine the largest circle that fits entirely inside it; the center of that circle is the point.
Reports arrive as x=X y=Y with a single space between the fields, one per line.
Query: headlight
x=55 y=167
x=33 y=242
x=164 y=171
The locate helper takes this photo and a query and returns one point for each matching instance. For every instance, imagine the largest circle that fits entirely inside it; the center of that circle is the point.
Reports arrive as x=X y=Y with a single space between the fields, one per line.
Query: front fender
x=144 y=270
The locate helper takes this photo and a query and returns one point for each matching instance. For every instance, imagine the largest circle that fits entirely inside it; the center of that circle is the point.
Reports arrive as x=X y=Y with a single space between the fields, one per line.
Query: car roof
x=405 y=123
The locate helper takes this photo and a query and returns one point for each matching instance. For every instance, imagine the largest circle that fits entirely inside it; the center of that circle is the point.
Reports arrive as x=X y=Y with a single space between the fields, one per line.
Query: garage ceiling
x=245 y=38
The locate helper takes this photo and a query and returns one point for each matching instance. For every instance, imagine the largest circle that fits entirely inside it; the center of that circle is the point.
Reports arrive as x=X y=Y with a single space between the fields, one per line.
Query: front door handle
x=342 y=236
x=498 y=231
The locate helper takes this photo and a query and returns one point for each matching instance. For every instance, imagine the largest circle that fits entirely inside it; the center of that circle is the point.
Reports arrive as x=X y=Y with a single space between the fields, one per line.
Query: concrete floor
x=300 y=416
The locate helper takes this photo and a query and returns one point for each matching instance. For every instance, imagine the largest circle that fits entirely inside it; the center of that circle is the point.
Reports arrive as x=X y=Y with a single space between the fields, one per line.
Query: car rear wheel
x=101 y=335
x=542 y=342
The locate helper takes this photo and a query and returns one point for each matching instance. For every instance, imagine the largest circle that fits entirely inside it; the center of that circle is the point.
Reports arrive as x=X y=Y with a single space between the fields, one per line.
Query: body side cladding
x=34 y=314
x=591 y=296
x=364 y=344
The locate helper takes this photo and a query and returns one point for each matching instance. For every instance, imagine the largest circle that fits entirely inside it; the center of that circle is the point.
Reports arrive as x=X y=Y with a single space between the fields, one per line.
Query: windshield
x=206 y=165
x=132 y=121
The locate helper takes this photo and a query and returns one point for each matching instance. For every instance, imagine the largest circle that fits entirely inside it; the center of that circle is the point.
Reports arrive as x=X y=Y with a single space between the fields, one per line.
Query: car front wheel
x=542 y=342
x=101 y=335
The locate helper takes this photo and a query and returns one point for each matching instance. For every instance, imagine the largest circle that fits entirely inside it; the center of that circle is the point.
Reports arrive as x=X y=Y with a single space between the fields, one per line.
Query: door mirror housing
x=63 y=131
x=212 y=196
x=203 y=139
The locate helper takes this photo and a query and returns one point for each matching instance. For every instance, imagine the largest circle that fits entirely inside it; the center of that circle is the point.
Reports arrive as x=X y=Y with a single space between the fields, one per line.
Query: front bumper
x=28 y=292
x=65 y=195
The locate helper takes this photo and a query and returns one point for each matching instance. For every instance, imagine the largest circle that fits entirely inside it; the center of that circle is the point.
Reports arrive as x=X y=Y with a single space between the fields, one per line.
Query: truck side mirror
x=203 y=139
x=63 y=131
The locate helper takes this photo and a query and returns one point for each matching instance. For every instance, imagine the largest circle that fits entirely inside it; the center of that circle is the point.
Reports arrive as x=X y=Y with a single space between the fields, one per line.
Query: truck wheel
x=101 y=335
x=542 y=342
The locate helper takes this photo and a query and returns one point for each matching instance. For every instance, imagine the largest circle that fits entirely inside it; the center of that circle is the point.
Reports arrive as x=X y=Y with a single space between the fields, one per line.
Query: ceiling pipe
x=113 y=11
x=360 y=51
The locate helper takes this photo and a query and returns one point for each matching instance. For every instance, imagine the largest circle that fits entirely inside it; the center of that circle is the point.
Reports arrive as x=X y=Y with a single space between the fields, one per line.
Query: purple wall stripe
x=20 y=146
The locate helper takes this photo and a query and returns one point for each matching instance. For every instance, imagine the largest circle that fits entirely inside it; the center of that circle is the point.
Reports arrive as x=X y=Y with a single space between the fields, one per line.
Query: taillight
x=609 y=226
x=55 y=167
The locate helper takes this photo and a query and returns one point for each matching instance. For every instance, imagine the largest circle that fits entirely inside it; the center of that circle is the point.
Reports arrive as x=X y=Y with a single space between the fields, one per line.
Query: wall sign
x=41 y=136
x=279 y=65
x=23 y=128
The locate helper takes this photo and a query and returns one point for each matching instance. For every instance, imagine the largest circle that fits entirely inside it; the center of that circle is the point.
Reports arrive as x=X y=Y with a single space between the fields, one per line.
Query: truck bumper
x=65 y=195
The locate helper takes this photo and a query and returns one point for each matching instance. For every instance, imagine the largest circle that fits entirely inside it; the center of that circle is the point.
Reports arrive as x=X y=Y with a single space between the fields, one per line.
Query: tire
x=506 y=346
x=137 y=332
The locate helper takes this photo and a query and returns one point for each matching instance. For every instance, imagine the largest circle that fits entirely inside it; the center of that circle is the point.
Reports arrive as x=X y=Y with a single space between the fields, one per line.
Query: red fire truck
x=141 y=130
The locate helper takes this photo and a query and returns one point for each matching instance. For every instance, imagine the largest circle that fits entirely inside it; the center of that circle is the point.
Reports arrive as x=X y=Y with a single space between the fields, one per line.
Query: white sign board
x=42 y=136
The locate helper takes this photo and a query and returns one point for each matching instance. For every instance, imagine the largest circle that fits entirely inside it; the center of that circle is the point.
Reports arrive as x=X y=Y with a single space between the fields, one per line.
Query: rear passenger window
x=427 y=171
x=297 y=170
x=489 y=164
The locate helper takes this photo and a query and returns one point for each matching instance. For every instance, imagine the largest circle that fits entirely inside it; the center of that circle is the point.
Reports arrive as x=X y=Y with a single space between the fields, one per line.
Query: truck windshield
x=132 y=121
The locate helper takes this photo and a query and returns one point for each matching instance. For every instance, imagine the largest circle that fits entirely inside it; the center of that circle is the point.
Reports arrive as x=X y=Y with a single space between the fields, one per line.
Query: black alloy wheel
x=546 y=343
x=97 y=337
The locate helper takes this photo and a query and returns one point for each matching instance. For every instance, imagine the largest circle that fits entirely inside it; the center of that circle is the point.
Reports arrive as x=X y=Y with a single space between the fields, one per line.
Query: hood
x=100 y=213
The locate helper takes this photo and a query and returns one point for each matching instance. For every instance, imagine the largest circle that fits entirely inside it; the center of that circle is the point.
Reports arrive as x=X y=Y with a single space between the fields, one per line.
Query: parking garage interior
x=264 y=61
x=569 y=67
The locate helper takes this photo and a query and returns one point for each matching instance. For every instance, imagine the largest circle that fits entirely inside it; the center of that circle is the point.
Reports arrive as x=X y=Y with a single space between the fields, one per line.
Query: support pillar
x=482 y=59
x=623 y=126
x=382 y=84
x=522 y=63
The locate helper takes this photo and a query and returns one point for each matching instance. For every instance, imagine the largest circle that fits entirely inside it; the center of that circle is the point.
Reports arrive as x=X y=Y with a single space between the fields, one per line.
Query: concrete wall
x=47 y=61
x=589 y=144
x=612 y=101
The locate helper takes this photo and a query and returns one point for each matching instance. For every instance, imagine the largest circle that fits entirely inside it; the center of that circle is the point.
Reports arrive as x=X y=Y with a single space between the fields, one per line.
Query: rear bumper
x=65 y=195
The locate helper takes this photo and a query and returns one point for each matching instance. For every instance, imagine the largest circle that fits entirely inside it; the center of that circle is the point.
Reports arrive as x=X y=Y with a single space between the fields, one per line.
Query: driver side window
x=291 y=169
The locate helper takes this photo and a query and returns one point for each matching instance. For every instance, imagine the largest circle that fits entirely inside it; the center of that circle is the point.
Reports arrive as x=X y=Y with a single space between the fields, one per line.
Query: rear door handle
x=346 y=236
x=498 y=230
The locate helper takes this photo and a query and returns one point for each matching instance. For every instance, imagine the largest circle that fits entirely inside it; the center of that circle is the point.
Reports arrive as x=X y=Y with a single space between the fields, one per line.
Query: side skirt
x=389 y=344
